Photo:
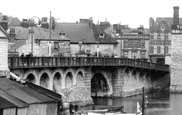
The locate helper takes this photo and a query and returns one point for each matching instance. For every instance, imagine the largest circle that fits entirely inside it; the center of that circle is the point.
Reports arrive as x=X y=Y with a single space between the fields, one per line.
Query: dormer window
x=62 y=34
x=101 y=35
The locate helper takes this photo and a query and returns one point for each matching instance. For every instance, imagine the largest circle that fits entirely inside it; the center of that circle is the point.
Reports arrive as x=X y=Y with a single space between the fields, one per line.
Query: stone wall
x=176 y=63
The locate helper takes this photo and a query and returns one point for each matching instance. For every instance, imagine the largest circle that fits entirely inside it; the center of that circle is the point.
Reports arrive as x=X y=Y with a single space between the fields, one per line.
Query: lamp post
x=32 y=32
x=97 y=49
x=162 y=29
x=80 y=45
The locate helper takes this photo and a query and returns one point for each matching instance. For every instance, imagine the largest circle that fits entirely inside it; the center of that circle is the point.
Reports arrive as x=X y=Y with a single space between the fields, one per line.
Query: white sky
x=130 y=12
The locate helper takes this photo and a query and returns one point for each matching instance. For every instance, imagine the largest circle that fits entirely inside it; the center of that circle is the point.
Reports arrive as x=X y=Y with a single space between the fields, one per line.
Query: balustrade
x=39 y=62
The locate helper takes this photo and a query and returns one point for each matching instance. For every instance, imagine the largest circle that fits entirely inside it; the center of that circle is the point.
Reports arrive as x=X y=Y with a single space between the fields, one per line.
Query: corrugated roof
x=5 y=103
x=12 y=101
x=22 y=92
x=76 y=32
x=44 y=91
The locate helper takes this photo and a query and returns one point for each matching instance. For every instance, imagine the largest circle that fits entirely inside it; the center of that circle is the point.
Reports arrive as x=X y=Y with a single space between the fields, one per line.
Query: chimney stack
x=176 y=15
x=44 y=23
x=24 y=23
x=4 y=22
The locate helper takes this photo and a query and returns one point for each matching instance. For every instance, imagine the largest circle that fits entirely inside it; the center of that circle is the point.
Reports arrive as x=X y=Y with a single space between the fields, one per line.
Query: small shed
x=34 y=102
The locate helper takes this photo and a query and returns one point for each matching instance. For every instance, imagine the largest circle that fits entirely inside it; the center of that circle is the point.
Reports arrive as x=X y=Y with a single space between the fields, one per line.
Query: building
x=27 y=99
x=160 y=38
x=39 y=42
x=133 y=46
x=4 y=39
x=87 y=38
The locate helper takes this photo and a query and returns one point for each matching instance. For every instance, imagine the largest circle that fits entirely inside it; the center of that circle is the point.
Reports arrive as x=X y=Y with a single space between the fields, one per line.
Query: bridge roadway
x=56 y=62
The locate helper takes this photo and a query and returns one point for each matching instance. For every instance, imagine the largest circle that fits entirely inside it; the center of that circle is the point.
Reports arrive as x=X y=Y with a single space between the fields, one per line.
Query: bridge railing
x=35 y=62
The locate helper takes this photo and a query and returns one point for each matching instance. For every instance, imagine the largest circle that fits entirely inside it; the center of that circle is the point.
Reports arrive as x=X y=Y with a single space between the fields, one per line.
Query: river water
x=163 y=103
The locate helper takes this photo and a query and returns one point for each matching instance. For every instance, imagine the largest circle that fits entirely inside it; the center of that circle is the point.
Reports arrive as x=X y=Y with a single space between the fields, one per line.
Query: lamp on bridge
x=32 y=32
x=80 y=45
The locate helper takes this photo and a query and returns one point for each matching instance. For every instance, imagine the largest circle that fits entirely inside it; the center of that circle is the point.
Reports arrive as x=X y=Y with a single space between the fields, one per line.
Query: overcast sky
x=130 y=12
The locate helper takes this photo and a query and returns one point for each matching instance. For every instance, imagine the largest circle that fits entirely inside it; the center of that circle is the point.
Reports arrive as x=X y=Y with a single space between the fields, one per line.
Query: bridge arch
x=31 y=75
x=44 y=80
x=80 y=79
x=69 y=80
x=99 y=84
x=57 y=82
x=31 y=78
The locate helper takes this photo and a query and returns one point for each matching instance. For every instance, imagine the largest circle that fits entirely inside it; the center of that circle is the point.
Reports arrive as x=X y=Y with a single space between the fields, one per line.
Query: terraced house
x=87 y=38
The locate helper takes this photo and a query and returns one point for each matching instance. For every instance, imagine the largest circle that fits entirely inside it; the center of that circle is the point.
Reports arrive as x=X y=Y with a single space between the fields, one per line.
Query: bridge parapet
x=48 y=62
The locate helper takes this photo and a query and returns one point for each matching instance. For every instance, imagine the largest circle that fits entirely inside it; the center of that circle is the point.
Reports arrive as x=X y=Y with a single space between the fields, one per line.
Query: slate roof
x=22 y=92
x=82 y=32
x=168 y=19
x=39 y=33
x=1 y=29
x=156 y=27
x=76 y=32
x=106 y=40
x=13 y=21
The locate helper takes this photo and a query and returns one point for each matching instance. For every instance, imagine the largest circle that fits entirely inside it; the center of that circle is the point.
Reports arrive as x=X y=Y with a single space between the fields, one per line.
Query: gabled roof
x=82 y=32
x=106 y=40
x=13 y=21
x=3 y=34
x=18 y=43
x=5 y=103
x=23 y=92
x=168 y=19
x=76 y=32
x=156 y=27
x=39 y=33
x=10 y=100
x=44 y=91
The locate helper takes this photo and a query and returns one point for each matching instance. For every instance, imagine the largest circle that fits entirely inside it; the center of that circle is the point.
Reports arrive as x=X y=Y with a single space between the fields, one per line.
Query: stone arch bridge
x=119 y=77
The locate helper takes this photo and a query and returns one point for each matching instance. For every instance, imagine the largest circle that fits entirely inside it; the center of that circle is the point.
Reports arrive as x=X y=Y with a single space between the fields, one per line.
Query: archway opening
x=134 y=74
x=69 y=80
x=80 y=79
x=99 y=84
x=30 y=78
x=44 y=80
x=57 y=82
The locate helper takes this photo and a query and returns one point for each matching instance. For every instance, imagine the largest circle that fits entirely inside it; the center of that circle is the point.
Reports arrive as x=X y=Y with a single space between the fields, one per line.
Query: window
x=155 y=49
x=56 y=45
x=125 y=54
x=151 y=49
x=142 y=54
x=134 y=54
x=125 y=44
x=169 y=49
x=162 y=49
x=142 y=43
x=166 y=49
x=101 y=35
x=158 y=37
x=158 y=49
x=62 y=34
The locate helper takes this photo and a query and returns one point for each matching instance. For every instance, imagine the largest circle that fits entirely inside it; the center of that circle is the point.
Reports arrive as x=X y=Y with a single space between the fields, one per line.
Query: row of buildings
x=86 y=38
